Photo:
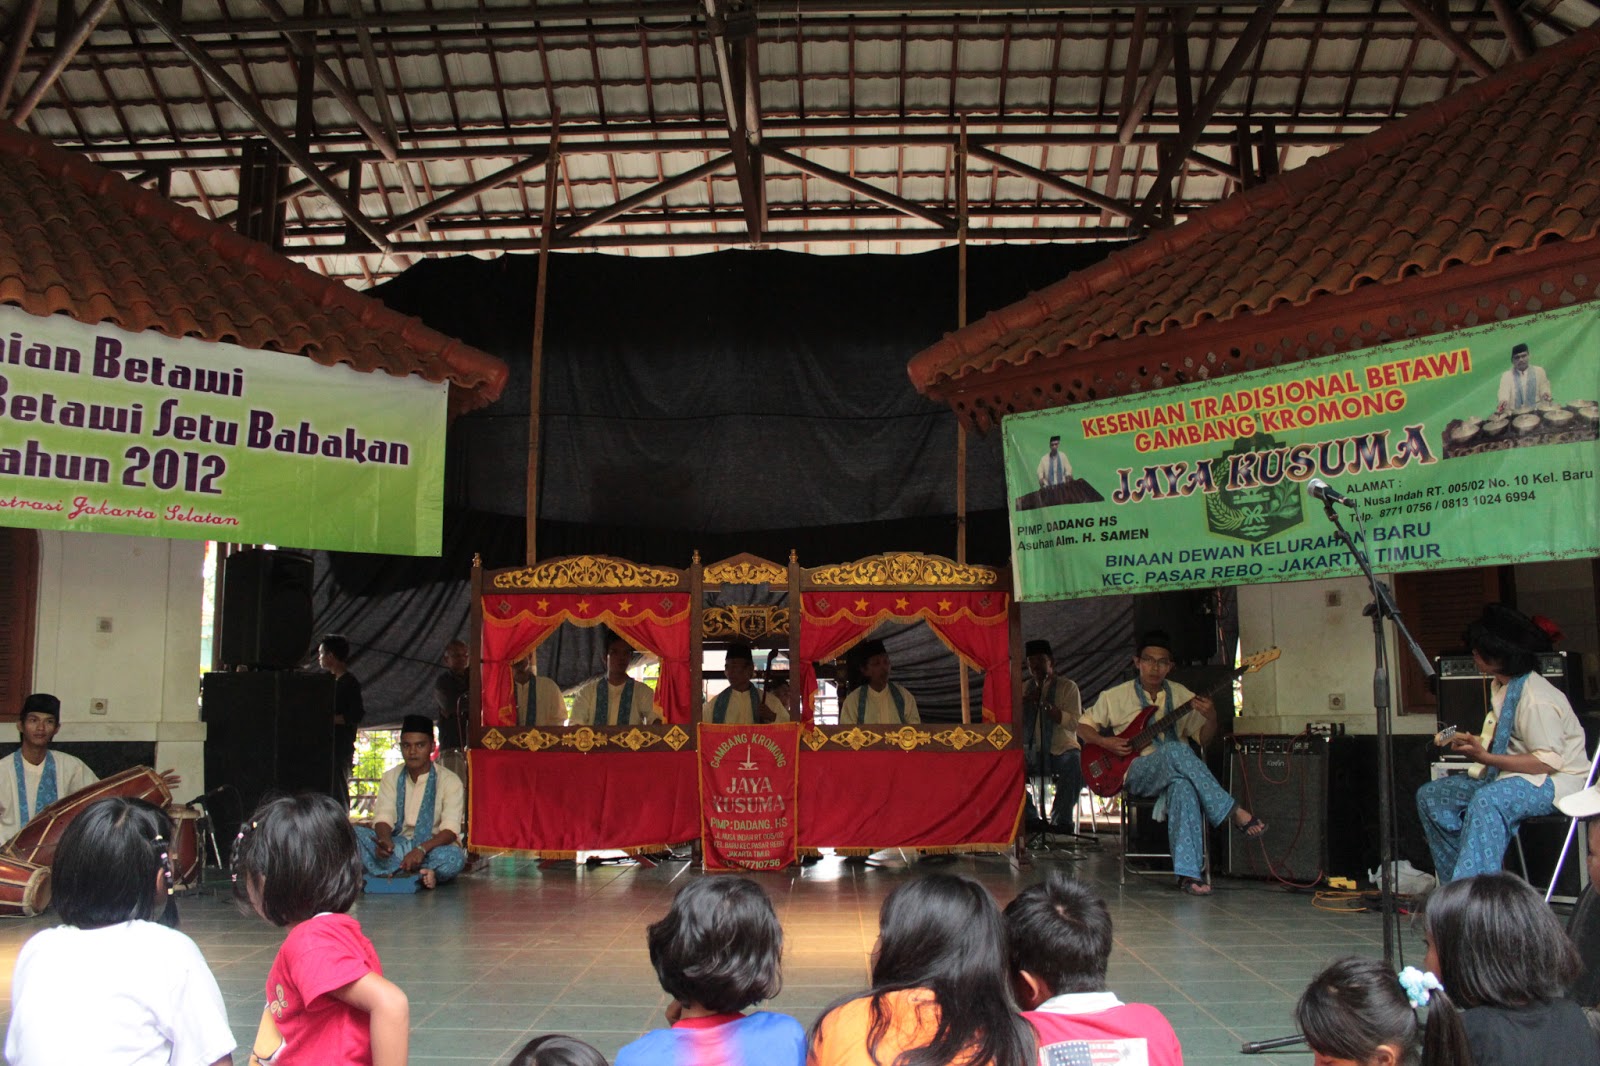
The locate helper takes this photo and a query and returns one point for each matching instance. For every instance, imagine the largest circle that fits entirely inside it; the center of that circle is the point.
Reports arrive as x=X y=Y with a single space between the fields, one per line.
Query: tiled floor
x=510 y=951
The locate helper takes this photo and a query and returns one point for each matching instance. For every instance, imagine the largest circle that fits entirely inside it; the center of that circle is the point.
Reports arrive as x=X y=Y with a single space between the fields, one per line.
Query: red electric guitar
x=1104 y=771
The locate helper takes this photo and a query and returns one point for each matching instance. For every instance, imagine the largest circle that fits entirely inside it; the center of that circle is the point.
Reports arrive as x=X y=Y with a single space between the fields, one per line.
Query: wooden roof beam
x=644 y=196
x=468 y=191
x=861 y=188
x=1060 y=184
x=1434 y=23
x=21 y=33
x=66 y=48
x=1518 y=36
x=157 y=12
x=735 y=43
x=1254 y=34
x=1133 y=115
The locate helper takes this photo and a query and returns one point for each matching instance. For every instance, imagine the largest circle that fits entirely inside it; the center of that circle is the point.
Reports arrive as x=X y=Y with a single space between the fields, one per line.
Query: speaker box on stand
x=266 y=731
x=1284 y=782
x=266 y=608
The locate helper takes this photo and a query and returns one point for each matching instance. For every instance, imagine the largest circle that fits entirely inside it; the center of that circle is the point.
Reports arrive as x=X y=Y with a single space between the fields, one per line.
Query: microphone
x=1328 y=494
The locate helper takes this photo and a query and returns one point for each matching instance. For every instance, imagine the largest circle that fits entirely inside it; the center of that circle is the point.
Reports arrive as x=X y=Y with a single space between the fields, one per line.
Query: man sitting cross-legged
x=1059 y=939
x=417 y=814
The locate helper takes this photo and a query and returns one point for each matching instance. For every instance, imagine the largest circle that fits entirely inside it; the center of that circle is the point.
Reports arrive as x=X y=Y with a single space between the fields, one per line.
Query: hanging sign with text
x=748 y=784
x=106 y=431
x=1471 y=448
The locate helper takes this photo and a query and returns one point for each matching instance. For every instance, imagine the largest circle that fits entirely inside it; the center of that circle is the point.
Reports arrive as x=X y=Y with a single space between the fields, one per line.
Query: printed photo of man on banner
x=749 y=780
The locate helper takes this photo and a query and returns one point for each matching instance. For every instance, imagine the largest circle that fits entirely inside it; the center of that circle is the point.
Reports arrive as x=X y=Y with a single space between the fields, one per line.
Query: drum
x=37 y=841
x=24 y=888
x=185 y=851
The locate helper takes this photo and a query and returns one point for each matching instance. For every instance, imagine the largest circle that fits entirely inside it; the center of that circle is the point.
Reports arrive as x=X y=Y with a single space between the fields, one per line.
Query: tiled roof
x=1499 y=168
x=81 y=241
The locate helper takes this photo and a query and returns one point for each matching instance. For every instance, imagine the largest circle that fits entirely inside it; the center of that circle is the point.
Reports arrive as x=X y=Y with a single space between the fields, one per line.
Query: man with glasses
x=417 y=815
x=1168 y=769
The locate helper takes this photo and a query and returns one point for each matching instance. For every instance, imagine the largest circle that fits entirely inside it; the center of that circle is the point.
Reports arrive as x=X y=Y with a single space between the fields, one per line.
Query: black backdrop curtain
x=737 y=401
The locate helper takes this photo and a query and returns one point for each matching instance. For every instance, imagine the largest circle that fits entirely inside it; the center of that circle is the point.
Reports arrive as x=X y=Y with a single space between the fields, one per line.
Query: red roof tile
x=1502 y=167
x=81 y=241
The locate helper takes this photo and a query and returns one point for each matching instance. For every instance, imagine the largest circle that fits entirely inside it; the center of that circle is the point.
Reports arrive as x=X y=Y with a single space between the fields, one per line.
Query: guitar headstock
x=1252 y=663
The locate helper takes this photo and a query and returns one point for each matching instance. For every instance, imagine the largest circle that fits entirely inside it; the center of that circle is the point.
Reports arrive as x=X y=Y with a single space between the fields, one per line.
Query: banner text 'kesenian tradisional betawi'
x=1470 y=448
x=107 y=431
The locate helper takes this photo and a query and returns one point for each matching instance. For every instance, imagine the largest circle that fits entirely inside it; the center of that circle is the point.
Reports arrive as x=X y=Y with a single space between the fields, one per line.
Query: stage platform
x=511 y=951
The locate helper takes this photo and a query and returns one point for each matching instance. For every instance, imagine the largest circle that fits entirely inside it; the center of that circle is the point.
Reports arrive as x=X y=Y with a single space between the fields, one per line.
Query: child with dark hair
x=328 y=1004
x=1059 y=936
x=1506 y=964
x=556 y=1050
x=1358 y=1011
x=86 y=991
x=941 y=990
x=718 y=952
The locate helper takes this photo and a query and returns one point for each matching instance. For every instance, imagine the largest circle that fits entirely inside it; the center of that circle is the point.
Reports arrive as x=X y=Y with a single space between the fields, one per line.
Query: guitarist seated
x=1166 y=768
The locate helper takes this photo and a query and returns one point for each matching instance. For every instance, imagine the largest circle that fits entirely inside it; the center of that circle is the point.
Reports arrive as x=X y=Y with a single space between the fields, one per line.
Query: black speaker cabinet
x=1284 y=782
x=266 y=731
x=266 y=608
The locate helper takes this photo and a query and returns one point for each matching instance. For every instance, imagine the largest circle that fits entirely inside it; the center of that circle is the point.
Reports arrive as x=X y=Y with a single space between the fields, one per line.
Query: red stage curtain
x=971 y=624
x=922 y=799
x=566 y=801
x=516 y=623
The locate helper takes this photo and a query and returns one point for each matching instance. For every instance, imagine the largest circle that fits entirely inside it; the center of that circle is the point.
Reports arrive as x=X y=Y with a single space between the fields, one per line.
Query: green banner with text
x=106 y=431
x=1470 y=448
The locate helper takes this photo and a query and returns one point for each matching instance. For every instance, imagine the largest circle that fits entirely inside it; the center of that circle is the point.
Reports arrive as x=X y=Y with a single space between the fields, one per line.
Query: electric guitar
x=1104 y=771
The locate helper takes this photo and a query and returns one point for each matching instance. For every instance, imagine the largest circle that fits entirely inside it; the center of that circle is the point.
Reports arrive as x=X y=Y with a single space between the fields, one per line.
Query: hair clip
x=1419 y=985
x=160 y=844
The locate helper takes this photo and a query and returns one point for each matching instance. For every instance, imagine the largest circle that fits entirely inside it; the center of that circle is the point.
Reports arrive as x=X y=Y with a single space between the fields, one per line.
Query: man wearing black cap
x=1530 y=754
x=741 y=703
x=417 y=815
x=1522 y=386
x=879 y=701
x=1051 y=706
x=33 y=776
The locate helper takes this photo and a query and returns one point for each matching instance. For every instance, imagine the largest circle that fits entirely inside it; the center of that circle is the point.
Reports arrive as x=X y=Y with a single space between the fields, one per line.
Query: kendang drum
x=37 y=841
x=184 y=854
x=24 y=888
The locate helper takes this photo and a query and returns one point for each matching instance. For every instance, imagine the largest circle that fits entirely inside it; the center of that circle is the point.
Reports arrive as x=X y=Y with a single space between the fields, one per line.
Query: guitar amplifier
x=1284 y=782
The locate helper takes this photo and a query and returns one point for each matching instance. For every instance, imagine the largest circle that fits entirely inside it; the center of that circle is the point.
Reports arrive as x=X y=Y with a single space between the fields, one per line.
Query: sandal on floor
x=1253 y=828
x=1191 y=886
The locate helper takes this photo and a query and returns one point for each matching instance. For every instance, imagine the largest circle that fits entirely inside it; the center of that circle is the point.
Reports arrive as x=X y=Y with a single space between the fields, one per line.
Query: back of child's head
x=1498 y=943
x=556 y=1050
x=720 y=946
x=1356 y=1007
x=296 y=857
x=944 y=933
x=1060 y=932
x=106 y=867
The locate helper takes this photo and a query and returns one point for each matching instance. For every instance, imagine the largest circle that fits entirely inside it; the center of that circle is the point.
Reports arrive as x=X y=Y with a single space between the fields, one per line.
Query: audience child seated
x=1359 y=1012
x=553 y=1049
x=718 y=952
x=1059 y=936
x=328 y=1003
x=1506 y=964
x=109 y=985
x=941 y=993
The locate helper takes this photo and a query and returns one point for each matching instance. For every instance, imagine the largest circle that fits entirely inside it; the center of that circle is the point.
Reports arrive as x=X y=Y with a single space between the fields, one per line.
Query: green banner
x=1470 y=448
x=107 y=431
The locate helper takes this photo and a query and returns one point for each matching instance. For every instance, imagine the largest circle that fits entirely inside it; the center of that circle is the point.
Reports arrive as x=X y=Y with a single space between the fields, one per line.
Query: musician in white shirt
x=1167 y=768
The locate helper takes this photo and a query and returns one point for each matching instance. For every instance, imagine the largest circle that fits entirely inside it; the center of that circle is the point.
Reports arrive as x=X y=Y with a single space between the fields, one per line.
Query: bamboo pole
x=961 y=426
x=536 y=362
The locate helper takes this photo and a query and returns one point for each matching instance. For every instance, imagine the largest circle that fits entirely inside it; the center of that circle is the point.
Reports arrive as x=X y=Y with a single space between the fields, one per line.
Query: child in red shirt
x=328 y=1003
x=1059 y=936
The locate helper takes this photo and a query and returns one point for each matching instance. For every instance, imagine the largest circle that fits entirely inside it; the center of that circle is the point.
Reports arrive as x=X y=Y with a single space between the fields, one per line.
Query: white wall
x=1326 y=649
x=146 y=667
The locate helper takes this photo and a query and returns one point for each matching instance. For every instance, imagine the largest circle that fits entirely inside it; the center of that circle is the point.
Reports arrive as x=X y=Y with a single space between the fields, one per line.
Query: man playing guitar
x=1168 y=768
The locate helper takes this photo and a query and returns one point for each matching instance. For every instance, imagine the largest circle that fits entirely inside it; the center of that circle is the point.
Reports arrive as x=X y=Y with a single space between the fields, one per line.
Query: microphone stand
x=1382 y=606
